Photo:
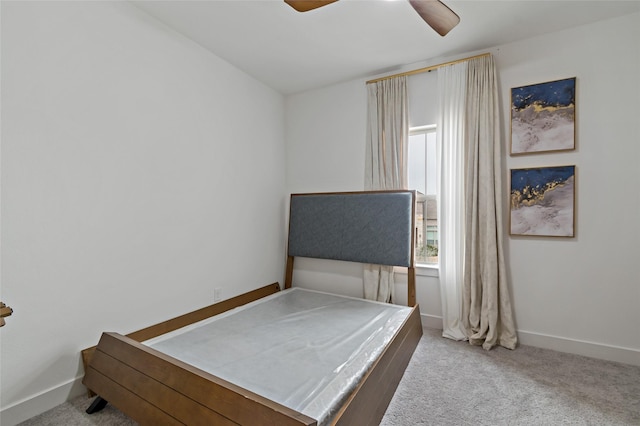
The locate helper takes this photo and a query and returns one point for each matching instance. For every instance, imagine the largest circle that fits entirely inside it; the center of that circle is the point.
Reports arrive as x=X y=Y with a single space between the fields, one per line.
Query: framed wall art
x=543 y=201
x=543 y=117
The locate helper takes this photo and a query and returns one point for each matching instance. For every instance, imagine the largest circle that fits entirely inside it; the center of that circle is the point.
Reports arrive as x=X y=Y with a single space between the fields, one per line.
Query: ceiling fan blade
x=436 y=14
x=306 y=5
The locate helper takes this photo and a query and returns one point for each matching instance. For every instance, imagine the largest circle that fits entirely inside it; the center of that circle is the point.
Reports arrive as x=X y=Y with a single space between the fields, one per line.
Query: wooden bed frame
x=153 y=388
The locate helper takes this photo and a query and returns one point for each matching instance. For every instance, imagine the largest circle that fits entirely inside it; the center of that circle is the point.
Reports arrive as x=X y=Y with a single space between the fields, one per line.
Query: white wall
x=132 y=186
x=325 y=134
x=578 y=295
x=585 y=289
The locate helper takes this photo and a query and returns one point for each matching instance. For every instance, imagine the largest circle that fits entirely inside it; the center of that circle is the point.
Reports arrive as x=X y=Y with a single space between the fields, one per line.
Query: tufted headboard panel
x=366 y=227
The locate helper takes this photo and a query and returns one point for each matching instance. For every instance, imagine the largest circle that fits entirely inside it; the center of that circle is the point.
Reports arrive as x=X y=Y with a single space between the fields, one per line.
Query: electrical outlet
x=217 y=294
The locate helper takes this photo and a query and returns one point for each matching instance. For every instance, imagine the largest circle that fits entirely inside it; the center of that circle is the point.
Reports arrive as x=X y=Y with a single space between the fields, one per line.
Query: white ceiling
x=293 y=52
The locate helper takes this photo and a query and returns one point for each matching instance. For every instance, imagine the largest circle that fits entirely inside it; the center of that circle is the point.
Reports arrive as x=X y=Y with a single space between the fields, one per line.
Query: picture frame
x=543 y=117
x=543 y=201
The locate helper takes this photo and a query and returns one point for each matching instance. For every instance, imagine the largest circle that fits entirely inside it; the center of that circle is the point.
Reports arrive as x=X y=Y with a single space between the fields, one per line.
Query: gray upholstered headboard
x=366 y=227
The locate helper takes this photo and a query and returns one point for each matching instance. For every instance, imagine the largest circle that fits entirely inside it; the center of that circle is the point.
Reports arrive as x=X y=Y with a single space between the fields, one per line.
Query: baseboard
x=431 y=321
x=561 y=344
x=38 y=404
x=580 y=347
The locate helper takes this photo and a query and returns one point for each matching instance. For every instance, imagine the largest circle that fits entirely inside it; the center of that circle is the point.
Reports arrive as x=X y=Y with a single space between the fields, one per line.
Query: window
x=423 y=178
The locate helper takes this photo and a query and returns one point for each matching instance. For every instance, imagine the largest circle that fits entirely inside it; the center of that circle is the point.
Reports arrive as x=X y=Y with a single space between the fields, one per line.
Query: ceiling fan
x=434 y=12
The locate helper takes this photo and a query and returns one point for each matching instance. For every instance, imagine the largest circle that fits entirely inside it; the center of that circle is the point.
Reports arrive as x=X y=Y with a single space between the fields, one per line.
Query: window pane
x=423 y=178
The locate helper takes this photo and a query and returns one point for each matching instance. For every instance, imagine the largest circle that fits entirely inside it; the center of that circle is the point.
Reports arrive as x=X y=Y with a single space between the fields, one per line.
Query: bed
x=289 y=357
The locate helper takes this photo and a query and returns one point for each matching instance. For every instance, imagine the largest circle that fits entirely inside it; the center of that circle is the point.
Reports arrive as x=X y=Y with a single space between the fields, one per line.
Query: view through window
x=423 y=178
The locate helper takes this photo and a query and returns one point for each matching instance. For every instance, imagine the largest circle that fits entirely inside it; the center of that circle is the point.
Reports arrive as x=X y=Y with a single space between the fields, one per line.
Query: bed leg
x=97 y=405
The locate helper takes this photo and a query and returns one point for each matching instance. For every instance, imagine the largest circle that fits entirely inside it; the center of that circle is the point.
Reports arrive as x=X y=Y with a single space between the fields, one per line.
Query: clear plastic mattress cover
x=304 y=349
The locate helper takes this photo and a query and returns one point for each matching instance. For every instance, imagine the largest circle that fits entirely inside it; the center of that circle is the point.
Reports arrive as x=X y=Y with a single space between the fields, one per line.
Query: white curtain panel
x=475 y=297
x=386 y=159
x=452 y=89
x=486 y=309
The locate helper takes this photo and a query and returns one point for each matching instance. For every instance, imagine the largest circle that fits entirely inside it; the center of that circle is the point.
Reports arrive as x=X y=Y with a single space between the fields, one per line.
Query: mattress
x=304 y=349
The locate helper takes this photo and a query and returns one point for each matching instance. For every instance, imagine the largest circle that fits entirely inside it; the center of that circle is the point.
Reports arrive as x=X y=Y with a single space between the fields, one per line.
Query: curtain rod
x=426 y=69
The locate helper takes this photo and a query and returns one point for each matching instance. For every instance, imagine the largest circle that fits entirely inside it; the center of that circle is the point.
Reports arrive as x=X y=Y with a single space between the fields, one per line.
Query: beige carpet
x=453 y=383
